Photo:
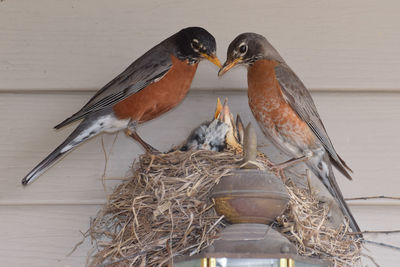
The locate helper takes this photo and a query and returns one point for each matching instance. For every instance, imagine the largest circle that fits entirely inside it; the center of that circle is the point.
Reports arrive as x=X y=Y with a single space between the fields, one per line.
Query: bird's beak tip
x=221 y=71
x=227 y=66
x=213 y=59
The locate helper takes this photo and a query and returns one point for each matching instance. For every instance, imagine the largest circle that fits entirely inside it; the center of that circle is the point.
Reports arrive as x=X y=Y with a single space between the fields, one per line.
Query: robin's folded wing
x=149 y=68
x=300 y=100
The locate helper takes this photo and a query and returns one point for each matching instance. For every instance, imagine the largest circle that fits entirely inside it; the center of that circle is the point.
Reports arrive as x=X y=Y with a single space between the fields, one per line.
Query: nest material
x=165 y=211
x=306 y=224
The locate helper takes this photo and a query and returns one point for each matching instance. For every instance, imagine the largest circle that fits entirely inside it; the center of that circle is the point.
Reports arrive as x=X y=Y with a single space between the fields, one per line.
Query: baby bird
x=217 y=134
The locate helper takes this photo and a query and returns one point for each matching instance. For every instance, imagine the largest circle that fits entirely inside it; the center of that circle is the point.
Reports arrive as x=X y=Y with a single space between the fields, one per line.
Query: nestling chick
x=208 y=136
x=215 y=135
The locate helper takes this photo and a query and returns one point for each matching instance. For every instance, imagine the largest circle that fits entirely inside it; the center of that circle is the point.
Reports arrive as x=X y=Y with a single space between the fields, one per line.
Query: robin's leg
x=294 y=161
x=131 y=131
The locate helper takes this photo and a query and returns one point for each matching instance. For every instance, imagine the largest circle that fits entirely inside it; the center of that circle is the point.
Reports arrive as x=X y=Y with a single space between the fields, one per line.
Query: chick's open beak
x=228 y=65
x=212 y=58
x=218 y=109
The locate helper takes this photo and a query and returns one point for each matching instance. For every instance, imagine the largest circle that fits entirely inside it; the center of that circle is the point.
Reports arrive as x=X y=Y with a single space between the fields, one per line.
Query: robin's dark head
x=195 y=43
x=246 y=49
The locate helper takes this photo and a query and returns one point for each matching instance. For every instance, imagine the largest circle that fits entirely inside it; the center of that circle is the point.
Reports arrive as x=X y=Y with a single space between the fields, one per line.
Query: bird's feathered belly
x=275 y=116
x=160 y=96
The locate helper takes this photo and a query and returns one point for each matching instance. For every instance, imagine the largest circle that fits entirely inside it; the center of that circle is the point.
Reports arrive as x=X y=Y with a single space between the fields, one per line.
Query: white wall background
x=55 y=54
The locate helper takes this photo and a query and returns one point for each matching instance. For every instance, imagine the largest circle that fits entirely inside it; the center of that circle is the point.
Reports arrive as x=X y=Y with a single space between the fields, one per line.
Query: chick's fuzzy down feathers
x=208 y=136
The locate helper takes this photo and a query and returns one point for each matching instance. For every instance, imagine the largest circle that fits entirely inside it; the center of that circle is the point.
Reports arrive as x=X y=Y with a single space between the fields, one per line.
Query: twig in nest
x=382 y=244
x=106 y=158
x=375 y=232
x=308 y=175
x=116 y=179
x=84 y=235
x=152 y=157
x=371 y=259
x=121 y=259
x=372 y=197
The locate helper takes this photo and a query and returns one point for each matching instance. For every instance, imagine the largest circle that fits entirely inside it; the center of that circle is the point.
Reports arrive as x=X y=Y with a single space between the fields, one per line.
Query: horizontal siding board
x=363 y=127
x=380 y=218
x=43 y=236
x=63 y=45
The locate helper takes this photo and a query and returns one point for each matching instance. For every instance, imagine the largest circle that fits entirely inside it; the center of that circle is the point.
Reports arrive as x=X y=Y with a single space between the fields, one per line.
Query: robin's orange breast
x=158 y=97
x=270 y=108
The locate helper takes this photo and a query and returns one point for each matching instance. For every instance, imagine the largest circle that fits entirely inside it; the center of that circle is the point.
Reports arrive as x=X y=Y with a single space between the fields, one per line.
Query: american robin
x=149 y=87
x=285 y=111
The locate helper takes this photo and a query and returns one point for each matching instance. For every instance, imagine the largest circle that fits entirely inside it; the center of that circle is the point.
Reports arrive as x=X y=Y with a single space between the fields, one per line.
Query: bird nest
x=164 y=211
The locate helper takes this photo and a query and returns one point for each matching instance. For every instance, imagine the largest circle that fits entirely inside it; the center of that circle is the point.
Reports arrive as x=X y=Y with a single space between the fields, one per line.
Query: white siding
x=66 y=44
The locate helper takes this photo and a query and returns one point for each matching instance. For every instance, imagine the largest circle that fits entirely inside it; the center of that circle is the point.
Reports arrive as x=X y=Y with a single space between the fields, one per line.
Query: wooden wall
x=55 y=54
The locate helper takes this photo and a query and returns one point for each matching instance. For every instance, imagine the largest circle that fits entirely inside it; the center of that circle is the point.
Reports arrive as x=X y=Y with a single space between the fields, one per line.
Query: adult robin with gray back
x=285 y=111
x=149 y=87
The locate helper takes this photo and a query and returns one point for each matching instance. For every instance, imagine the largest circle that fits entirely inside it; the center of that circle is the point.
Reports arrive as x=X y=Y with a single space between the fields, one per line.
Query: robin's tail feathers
x=72 y=141
x=43 y=166
x=346 y=211
x=342 y=167
x=326 y=175
x=337 y=194
x=83 y=132
x=69 y=120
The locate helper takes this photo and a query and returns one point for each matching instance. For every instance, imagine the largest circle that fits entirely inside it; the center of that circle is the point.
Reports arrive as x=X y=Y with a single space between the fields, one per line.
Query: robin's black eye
x=195 y=45
x=243 y=49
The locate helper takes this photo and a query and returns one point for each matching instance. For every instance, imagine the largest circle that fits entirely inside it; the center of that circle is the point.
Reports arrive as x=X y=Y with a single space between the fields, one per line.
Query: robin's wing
x=299 y=98
x=149 y=68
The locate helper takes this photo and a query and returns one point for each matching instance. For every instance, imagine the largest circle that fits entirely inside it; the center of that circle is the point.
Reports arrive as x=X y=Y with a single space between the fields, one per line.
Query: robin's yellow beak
x=218 y=109
x=212 y=58
x=228 y=65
